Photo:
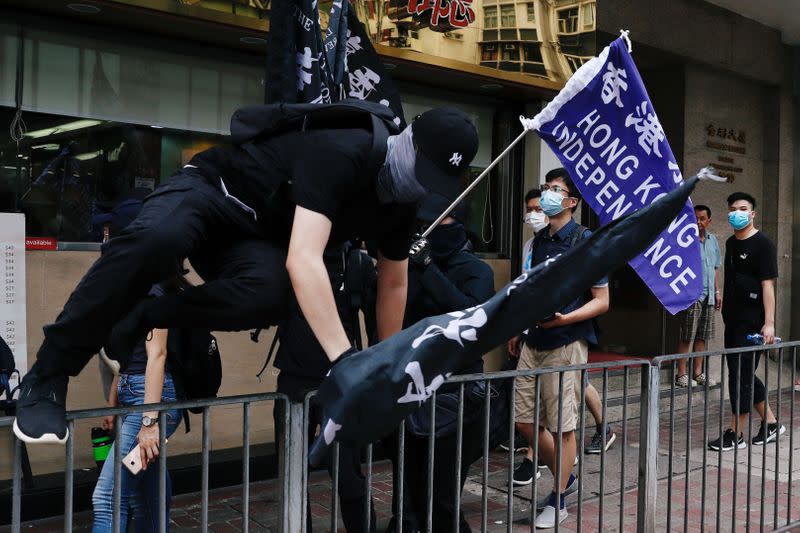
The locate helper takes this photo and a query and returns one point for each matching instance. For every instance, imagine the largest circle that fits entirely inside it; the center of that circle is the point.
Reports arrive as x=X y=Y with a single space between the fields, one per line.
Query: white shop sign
x=12 y=297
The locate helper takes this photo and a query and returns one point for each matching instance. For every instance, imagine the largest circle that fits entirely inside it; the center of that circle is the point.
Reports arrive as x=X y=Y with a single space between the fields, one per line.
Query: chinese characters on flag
x=455 y=13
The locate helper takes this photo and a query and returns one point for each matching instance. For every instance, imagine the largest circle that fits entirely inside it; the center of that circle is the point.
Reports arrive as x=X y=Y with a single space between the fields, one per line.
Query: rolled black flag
x=366 y=396
x=297 y=69
x=367 y=78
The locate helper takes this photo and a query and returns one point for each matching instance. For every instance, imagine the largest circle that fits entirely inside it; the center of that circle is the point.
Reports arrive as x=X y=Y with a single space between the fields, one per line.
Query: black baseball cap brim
x=436 y=181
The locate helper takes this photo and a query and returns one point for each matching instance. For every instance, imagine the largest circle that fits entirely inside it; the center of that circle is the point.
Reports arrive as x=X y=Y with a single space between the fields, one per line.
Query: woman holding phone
x=146 y=379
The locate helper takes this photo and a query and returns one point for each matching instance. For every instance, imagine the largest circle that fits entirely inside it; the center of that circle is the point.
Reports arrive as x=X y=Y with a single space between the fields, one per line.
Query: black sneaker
x=768 y=433
x=727 y=442
x=41 y=409
x=524 y=473
x=596 y=444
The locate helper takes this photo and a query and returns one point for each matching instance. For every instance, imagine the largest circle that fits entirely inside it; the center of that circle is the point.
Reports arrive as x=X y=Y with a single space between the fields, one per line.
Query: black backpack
x=193 y=356
x=258 y=122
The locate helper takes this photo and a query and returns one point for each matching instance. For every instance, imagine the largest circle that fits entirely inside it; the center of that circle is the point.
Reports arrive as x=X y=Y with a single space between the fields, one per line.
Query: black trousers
x=743 y=377
x=415 y=499
x=247 y=285
x=352 y=487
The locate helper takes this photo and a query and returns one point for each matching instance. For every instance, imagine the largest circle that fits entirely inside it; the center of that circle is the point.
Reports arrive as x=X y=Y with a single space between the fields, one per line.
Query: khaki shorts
x=575 y=353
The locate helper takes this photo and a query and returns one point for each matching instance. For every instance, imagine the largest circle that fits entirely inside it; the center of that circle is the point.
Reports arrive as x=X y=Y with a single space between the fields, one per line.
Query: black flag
x=367 y=78
x=297 y=68
x=366 y=396
x=302 y=67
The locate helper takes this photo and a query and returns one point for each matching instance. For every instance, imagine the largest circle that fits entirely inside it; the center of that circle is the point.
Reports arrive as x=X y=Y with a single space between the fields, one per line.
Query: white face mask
x=537 y=221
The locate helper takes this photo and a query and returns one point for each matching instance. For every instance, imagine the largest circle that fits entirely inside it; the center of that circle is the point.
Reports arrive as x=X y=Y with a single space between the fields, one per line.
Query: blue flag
x=603 y=128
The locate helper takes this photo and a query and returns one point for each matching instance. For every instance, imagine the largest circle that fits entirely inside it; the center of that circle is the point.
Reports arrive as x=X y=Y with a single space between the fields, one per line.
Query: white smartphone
x=133 y=461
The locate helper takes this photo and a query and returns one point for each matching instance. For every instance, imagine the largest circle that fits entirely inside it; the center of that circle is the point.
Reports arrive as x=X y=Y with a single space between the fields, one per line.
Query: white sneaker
x=547 y=518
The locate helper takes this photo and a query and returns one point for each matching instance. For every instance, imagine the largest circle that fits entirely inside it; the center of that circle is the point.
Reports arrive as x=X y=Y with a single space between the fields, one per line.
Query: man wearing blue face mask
x=751 y=266
x=562 y=341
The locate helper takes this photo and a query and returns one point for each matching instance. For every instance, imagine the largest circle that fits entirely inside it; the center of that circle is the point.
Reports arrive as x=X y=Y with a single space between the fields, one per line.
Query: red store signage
x=456 y=13
x=41 y=243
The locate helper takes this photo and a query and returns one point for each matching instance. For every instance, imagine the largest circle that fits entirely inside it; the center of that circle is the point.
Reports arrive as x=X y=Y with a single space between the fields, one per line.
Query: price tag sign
x=12 y=296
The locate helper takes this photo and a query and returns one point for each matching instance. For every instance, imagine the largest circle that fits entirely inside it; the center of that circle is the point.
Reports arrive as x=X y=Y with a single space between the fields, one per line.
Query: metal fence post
x=293 y=460
x=648 y=450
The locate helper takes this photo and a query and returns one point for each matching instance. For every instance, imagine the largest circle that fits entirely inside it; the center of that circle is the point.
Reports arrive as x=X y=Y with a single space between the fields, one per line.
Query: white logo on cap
x=456 y=159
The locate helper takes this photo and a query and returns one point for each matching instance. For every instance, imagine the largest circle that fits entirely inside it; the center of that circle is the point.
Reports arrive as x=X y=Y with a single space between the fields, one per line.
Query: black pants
x=352 y=483
x=415 y=498
x=247 y=285
x=736 y=337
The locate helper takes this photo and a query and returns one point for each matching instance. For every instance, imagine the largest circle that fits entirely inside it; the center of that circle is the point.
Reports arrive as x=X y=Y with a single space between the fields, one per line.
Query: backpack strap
x=377 y=155
x=577 y=235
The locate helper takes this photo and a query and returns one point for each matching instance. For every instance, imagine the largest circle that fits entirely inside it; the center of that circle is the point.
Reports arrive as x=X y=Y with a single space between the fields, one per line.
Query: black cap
x=447 y=142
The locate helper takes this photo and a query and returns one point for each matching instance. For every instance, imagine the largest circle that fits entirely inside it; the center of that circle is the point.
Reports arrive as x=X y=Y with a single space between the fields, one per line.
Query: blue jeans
x=139 y=492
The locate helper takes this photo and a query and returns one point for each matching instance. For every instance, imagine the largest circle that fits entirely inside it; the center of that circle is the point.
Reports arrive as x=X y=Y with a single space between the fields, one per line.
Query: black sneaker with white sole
x=524 y=473
x=727 y=442
x=596 y=444
x=41 y=409
x=768 y=433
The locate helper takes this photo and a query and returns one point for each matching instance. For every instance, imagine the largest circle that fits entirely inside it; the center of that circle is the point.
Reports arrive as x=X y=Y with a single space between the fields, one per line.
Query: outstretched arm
x=312 y=286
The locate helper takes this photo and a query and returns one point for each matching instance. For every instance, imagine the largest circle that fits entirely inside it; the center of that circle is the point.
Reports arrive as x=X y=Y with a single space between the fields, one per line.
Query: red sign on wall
x=41 y=243
x=455 y=13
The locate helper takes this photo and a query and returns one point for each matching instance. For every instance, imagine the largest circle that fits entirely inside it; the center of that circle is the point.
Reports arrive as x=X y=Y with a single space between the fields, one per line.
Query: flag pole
x=477 y=180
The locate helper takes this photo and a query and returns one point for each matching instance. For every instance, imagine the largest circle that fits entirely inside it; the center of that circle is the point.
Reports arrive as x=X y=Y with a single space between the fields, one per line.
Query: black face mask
x=446 y=239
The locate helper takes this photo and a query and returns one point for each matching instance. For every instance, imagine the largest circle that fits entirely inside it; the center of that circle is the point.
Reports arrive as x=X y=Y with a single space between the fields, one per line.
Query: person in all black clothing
x=748 y=306
x=444 y=276
x=303 y=365
x=300 y=192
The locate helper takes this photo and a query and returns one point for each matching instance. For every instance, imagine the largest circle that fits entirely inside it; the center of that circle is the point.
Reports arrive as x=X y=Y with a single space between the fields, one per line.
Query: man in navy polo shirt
x=562 y=341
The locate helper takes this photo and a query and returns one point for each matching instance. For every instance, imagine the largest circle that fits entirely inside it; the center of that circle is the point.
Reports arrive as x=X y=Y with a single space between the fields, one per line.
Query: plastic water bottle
x=758 y=338
x=101 y=445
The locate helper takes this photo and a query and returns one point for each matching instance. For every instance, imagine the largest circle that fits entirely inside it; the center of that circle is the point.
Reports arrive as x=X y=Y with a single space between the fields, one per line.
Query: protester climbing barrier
x=660 y=474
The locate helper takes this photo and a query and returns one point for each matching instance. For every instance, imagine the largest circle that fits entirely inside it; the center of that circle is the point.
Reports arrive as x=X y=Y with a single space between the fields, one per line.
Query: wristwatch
x=149 y=422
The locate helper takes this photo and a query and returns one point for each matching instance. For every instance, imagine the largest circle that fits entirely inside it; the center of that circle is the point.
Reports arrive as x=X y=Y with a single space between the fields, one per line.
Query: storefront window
x=72 y=176
x=103 y=124
x=72 y=75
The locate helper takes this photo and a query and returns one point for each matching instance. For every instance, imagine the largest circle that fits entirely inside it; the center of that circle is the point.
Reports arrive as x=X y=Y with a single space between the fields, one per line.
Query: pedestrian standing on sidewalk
x=537 y=221
x=751 y=266
x=562 y=341
x=698 y=320
x=145 y=379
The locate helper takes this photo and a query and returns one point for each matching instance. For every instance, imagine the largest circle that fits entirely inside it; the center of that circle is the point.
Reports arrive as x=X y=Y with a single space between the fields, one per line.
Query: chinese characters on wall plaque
x=729 y=141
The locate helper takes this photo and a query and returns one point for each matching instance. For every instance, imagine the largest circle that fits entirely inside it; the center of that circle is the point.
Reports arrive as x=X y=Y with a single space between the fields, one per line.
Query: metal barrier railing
x=671 y=479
